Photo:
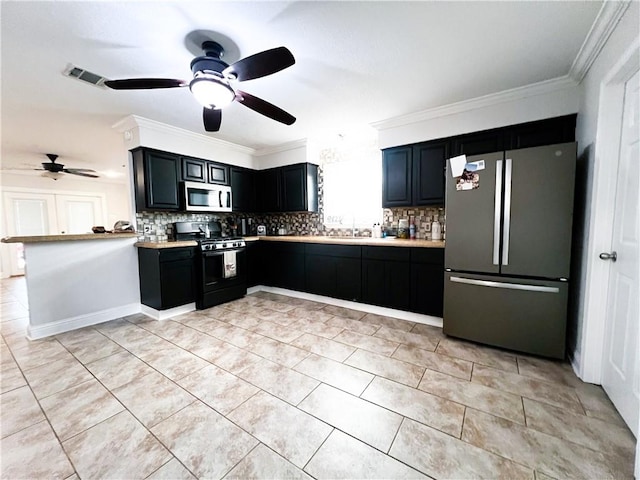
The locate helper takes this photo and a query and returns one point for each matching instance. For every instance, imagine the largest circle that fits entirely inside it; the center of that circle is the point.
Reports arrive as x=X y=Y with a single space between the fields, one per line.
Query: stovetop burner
x=221 y=243
x=208 y=235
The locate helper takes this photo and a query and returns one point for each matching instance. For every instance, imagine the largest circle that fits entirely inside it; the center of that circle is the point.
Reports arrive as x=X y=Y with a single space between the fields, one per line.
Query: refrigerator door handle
x=510 y=286
x=496 y=213
x=507 y=211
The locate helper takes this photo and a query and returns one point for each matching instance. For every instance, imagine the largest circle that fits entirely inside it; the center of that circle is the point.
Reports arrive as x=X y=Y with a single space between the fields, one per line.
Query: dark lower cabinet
x=427 y=280
x=167 y=277
x=409 y=279
x=283 y=265
x=386 y=276
x=333 y=271
x=254 y=264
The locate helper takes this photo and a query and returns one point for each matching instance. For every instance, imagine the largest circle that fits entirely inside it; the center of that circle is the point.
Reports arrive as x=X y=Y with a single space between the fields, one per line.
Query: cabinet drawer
x=171 y=254
x=285 y=247
x=428 y=255
x=400 y=254
x=344 y=251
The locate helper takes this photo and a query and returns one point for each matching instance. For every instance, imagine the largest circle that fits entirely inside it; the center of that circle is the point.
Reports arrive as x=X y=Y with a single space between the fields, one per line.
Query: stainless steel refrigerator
x=508 y=248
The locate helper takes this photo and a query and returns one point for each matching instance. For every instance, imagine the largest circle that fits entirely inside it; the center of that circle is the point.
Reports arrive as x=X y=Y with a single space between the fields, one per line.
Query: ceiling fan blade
x=74 y=171
x=145 y=83
x=79 y=170
x=261 y=64
x=265 y=108
x=212 y=119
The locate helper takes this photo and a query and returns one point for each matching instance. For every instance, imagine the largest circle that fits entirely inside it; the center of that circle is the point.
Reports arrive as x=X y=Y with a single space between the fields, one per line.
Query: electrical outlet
x=147 y=228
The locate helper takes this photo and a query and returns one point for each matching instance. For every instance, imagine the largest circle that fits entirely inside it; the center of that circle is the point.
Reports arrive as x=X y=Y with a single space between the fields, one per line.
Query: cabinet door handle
x=507 y=212
x=509 y=286
x=613 y=256
x=497 y=202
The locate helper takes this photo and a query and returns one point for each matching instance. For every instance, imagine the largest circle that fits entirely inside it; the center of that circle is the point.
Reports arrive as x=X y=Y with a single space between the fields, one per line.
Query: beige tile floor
x=271 y=386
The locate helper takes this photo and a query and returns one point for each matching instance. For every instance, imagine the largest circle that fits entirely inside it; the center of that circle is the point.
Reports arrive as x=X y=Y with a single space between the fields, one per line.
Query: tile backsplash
x=159 y=224
x=423 y=217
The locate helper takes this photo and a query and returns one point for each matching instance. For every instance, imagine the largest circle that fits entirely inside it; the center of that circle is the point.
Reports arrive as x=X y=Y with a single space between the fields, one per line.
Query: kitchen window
x=352 y=187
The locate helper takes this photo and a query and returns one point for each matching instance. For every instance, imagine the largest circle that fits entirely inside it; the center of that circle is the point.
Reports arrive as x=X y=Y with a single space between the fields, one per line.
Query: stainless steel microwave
x=203 y=197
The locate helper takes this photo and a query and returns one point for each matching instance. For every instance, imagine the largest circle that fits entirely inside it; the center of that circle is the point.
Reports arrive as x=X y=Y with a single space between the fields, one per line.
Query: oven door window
x=203 y=197
x=213 y=270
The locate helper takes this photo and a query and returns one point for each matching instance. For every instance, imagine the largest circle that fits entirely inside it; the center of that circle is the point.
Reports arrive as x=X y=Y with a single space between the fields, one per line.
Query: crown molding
x=133 y=121
x=281 y=148
x=534 y=89
x=608 y=17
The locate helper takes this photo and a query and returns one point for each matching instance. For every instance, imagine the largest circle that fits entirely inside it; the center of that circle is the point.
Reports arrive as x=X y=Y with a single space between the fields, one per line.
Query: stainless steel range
x=221 y=263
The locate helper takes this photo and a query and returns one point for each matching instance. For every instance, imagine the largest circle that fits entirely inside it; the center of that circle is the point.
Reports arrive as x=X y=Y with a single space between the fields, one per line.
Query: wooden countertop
x=68 y=237
x=170 y=244
x=377 y=242
x=311 y=239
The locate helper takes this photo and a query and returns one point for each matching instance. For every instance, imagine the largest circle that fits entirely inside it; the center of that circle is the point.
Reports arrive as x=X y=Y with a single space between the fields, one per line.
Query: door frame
x=602 y=212
x=6 y=250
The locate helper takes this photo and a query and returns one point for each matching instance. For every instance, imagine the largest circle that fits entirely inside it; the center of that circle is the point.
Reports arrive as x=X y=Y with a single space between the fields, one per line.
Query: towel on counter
x=230 y=266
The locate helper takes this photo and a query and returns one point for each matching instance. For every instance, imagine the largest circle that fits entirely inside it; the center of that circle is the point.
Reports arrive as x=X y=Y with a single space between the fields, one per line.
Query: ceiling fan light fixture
x=52 y=175
x=211 y=91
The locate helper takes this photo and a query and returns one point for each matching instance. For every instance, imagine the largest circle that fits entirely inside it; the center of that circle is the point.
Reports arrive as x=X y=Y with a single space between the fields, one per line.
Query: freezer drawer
x=524 y=315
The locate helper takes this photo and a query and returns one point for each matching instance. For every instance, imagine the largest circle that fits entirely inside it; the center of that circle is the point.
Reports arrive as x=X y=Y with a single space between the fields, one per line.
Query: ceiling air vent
x=84 y=75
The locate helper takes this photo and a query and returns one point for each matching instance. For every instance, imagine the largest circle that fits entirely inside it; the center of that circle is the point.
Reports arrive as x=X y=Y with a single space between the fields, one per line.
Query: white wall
x=545 y=100
x=293 y=154
x=139 y=131
x=116 y=194
x=622 y=37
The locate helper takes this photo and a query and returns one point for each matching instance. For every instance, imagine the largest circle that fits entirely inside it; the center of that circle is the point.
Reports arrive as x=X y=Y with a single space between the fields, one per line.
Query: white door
x=78 y=213
x=621 y=361
x=27 y=214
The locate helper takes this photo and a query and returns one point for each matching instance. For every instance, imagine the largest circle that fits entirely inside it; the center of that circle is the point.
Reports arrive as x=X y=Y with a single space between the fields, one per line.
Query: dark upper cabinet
x=299 y=188
x=218 y=173
x=243 y=188
x=156 y=178
x=429 y=161
x=167 y=277
x=397 y=177
x=268 y=190
x=478 y=143
x=293 y=188
x=543 y=132
x=194 y=170
x=204 y=171
x=524 y=135
x=414 y=174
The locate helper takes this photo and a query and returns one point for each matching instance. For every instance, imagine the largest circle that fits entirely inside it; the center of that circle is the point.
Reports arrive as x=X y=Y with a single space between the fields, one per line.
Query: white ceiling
x=356 y=63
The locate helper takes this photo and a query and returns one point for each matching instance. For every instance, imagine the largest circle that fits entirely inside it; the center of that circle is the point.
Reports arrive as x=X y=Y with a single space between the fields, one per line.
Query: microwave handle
x=228 y=199
x=220 y=198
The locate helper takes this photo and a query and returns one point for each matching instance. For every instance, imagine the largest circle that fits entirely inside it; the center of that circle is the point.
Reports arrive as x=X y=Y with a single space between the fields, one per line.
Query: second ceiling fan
x=211 y=83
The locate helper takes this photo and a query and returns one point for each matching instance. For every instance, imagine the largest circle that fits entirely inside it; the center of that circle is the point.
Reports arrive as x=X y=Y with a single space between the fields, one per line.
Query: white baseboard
x=363 y=307
x=169 y=313
x=35 y=332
